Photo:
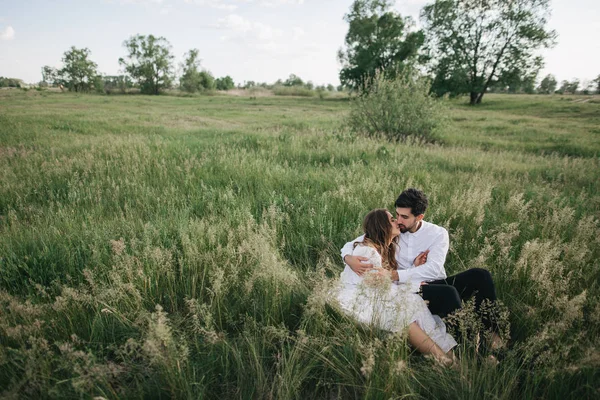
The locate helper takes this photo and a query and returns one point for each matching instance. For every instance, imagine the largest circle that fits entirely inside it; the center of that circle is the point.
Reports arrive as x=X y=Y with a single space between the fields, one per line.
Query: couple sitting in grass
x=394 y=278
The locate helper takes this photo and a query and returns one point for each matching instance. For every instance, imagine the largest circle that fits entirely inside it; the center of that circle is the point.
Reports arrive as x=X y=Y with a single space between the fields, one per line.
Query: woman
x=372 y=299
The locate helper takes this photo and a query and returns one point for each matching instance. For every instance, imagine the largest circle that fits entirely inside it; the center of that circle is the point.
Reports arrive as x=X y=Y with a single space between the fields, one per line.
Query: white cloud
x=275 y=3
x=217 y=4
x=297 y=33
x=244 y=28
x=7 y=33
x=140 y=2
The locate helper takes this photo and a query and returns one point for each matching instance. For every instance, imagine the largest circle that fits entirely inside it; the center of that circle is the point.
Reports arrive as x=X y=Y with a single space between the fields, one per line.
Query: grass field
x=162 y=247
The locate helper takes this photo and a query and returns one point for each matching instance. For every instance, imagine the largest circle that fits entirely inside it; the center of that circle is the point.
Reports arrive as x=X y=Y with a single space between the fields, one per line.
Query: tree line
x=466 y=47
x=149 y=67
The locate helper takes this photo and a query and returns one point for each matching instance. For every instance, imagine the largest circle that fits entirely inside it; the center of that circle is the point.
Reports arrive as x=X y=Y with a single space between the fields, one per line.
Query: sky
x=250 y=40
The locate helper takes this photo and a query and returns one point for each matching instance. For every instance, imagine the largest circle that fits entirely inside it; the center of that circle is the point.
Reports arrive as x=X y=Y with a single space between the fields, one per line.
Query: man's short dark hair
x=414 y=199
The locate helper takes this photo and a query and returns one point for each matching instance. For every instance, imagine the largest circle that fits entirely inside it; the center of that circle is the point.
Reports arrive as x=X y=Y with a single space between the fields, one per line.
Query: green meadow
x=184 y=247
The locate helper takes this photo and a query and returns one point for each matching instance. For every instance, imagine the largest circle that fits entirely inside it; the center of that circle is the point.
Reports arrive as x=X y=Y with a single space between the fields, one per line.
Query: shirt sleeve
x=433 y=269
x=369 y=252
x=349 y=247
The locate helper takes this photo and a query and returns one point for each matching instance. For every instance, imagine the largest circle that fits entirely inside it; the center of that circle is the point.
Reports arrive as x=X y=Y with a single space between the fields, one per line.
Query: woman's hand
x=421 y=258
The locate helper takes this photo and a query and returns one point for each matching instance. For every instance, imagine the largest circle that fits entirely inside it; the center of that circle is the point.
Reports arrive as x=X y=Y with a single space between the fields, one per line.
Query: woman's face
x=395 y=229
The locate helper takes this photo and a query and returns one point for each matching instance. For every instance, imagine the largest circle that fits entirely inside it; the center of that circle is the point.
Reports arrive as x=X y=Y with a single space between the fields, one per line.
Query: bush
x=293 y=91
x=397 y=109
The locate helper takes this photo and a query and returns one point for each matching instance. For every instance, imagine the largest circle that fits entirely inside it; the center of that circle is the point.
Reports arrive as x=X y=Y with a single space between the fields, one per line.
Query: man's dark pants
x=445 y=295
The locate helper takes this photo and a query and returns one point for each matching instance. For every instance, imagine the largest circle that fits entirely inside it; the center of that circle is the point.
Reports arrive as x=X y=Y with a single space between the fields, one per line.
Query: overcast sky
x=259 y=40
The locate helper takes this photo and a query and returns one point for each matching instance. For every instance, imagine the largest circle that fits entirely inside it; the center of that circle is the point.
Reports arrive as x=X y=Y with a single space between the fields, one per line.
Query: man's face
x=406 y=221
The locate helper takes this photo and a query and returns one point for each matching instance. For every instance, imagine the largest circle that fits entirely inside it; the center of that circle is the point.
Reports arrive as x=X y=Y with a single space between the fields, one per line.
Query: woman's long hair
x=378 y=234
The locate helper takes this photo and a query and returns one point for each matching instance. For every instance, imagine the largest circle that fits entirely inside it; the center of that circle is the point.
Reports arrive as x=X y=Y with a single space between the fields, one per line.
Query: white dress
x=391 y=308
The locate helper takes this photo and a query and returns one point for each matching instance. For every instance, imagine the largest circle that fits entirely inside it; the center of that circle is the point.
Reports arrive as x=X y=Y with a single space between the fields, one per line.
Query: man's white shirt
x=428 y=237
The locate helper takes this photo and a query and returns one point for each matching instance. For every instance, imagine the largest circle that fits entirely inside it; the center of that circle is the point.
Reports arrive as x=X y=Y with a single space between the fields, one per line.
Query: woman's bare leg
x=422 y=342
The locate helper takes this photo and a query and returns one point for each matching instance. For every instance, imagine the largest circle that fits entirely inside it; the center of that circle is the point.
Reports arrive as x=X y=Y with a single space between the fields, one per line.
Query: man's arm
x=355 y=262
x=433 y=269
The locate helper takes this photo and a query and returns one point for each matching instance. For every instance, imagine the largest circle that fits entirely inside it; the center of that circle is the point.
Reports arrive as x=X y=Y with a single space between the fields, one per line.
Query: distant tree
x=378 y=39
x=193 y=79
x=597 y=82
x=207 y=80
x=50 y=75
x=471 y=44
x=99 y=84
x=149 y=62
x=249 y=84
x=118 y=82
x=11 y=82
x=293 y=80
x=309 y=85
x=547 y=85
x=517 y=80
x=78 y=72
x=330 y=88
x=564 y=87
x=573 y=86
x=340 y=88
x=225 y=83
x=568 y=86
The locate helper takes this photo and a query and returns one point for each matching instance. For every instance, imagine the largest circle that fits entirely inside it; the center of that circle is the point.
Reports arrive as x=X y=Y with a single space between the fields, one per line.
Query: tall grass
x=184 y=247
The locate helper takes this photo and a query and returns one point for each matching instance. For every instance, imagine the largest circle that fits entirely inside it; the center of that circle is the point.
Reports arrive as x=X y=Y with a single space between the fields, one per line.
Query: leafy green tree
x=119 y=82
x=10 y=82
x=293 y=80
x=573 y=86
x=78 y=72
x=597 y=82
x=472 y=43
x=225 y=83
x=207 y=80
x=564 y=87
x=149 y=62
x=517 y=80
x=330 y=88
x=547 y=85
x=378 y=39
x=193 y=79
x=50 y=75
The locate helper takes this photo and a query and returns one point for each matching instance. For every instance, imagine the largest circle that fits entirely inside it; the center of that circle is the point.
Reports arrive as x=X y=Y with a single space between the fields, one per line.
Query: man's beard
x=404 y=229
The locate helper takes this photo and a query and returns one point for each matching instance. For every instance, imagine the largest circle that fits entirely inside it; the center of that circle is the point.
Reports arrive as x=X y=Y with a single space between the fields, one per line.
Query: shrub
x=396 y=109
x=293 y=91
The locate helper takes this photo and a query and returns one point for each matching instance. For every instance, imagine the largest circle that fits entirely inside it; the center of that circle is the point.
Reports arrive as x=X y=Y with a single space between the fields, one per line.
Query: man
x=419 y=238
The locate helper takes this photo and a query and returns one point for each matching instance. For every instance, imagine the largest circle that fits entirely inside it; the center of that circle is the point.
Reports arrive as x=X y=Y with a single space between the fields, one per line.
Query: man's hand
x=357 y=265
x=421 y=258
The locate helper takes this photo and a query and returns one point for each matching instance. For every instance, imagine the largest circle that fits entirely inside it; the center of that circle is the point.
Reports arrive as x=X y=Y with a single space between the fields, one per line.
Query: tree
x=120 y=82
x=78 y=72
x=547 y=85
x=472 y=43
x=225 y=83
x=149 y=62
x=50 y=75
x=194 y=80
x=377 y=40
x=573 y=86
x=597 y=82
x=568 y=87
x=11 y=82
x=293 y=80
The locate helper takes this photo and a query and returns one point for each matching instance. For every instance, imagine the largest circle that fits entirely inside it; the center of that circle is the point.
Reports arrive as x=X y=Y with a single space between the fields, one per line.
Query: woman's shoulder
x=364 y=249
